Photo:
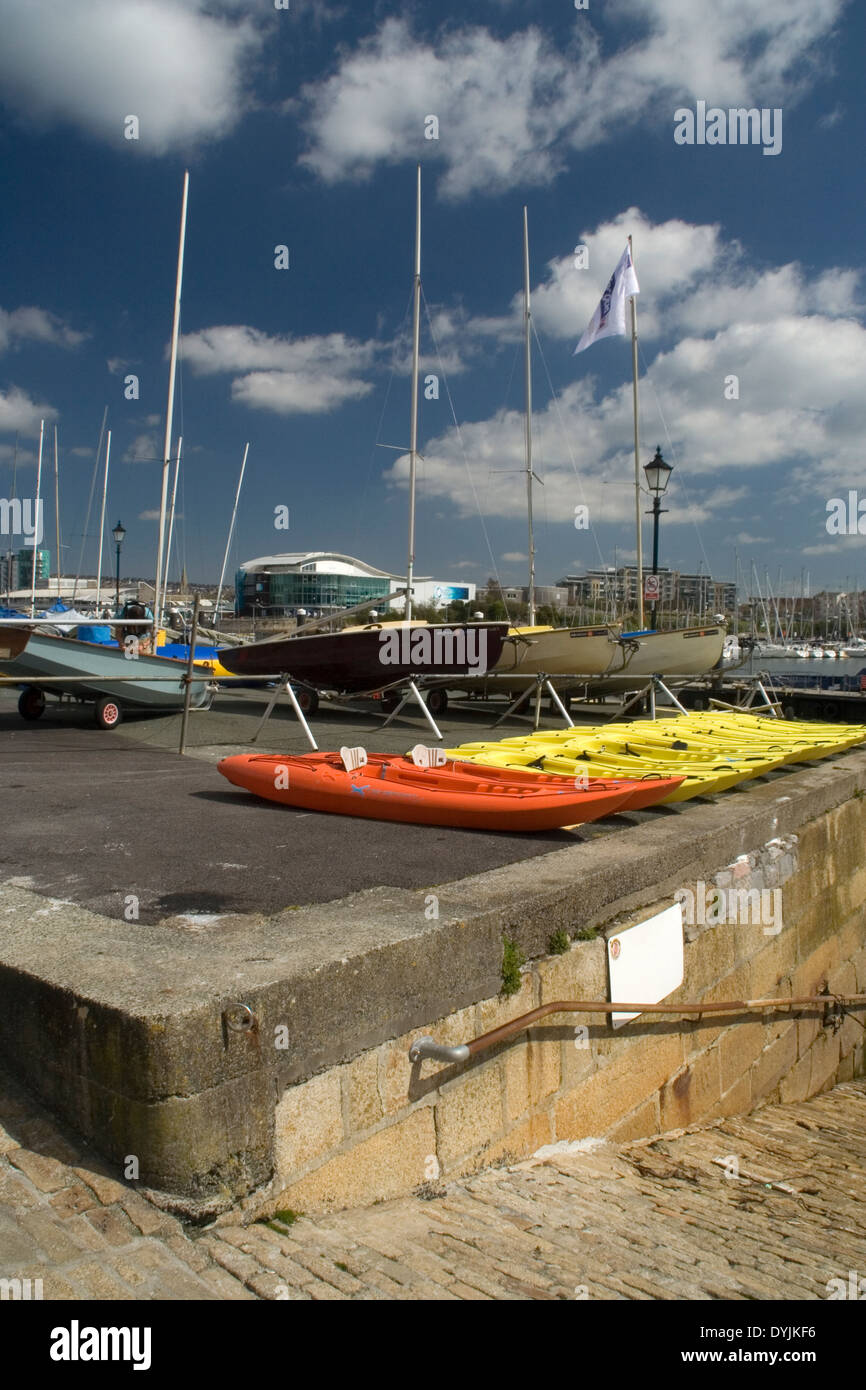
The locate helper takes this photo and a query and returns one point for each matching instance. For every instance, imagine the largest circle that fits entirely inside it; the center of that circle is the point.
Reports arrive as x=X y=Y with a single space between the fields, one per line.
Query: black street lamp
x=118 y=533
x=657 y=476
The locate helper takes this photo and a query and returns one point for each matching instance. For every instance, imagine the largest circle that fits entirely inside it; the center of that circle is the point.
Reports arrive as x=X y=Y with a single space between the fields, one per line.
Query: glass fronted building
x=322 y=581
x=318 y=582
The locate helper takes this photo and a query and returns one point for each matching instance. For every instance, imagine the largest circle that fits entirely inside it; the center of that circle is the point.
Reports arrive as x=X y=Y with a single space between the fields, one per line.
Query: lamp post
x=118 y=533
x=657 y=476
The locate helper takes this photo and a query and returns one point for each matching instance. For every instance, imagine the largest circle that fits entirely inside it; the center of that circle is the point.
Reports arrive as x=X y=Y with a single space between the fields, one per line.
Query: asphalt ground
x=92 y=817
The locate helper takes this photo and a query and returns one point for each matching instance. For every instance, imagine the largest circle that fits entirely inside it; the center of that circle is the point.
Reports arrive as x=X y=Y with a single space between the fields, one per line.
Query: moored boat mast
x=36 y=522
x=413 y=427
x=527 y=329
x=172 y=371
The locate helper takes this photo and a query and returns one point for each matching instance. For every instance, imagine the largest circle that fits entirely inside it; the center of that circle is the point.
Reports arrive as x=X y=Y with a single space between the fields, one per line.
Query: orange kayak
x=390 y=787
x=643 y=791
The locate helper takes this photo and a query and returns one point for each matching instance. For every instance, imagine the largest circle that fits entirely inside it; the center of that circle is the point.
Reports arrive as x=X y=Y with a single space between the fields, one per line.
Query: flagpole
x=637 y=501
x=528 y=374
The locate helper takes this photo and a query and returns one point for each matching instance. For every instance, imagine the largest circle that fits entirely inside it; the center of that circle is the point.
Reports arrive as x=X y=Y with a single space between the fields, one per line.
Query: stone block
x=492 y=1013
x=816 y=967
x=641 y=1122
x=737 y=1100
x=851 y=1033
x=701 y=1031
x=361 y=1083
x=576 y=1063
x=386 y=1164
x=769 y=967
x=518 y=1143
x=543 y=1064
x=842 y=979
x=308 y=1123
x=824 y=1053
x=469 y=1112
x=580 y=973
x=396 y=1072
x=774 y=1063
x=692 y=1093
x=817 y=923
x=739 y=1046
x=612 y=1093
x=515 y=1068
x=794 y=1086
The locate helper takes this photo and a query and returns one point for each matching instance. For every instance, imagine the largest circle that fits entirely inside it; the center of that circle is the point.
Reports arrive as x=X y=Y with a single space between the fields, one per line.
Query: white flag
x=609 y=317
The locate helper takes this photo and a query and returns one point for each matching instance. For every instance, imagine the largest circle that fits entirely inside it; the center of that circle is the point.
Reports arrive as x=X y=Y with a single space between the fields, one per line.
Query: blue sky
x=303 y=127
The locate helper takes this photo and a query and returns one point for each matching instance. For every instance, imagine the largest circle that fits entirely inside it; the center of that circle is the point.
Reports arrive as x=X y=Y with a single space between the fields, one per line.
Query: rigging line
x=360 y=512
x=84 y=533
x=501 y=416
x=465 y=459
x=575 y=469
x=565 y=435
x=674 y=454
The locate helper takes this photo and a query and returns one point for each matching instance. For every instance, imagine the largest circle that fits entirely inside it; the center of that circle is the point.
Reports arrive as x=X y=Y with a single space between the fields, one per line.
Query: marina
x=434 y=861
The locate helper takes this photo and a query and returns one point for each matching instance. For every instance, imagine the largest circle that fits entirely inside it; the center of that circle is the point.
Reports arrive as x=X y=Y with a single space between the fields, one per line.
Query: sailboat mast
x=57 y=509
x=10 y=552
x=413 y=428
x=230 y=534
x=172 y=370
x=527 y=328
x=161 y=602
x=102 y=520
x=36 y=522
x=637 y=504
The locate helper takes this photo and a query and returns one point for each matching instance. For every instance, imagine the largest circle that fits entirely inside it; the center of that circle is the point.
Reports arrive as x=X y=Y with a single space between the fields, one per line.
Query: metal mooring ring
x=245 y=1018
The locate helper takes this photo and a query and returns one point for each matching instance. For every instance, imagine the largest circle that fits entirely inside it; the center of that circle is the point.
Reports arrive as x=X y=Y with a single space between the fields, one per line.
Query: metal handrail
x=427 y=1047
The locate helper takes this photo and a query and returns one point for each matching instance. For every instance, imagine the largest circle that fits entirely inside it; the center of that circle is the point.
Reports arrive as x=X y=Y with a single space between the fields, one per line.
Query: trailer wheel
x=437 y=702
x=108 y=713
x=308 y=701
x=31 y=704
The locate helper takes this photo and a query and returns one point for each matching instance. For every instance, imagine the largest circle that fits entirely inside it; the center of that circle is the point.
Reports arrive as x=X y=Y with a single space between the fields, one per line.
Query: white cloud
x=19 y=413
x=285 y=375
x=29 y=324
x=791 y=337
x=296 y=393
x=513 y=557
x=181 y=66
x=511 y=108
x=145 y=448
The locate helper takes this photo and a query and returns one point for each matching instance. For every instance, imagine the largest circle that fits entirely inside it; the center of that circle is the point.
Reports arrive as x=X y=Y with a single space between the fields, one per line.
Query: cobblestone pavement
x=768 y=1206
x=65 y=1220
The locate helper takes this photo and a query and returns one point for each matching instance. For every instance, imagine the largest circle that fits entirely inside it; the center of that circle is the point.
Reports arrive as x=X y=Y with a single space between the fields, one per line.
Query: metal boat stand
x=649 y=692
x=542 y=682
x=413 y=693
x=284 y=684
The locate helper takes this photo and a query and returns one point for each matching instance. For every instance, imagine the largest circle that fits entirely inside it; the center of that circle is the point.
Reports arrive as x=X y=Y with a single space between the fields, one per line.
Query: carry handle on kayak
x=353 y=758
x=422 y=756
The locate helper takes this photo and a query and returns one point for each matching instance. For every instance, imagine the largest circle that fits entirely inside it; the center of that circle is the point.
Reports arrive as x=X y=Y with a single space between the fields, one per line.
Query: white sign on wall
x=645 y=962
